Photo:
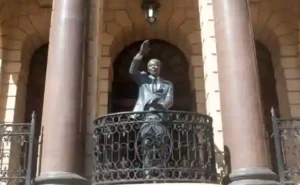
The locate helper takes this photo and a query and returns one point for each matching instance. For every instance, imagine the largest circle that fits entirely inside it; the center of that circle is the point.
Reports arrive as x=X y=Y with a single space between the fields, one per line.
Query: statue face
x=154 y=67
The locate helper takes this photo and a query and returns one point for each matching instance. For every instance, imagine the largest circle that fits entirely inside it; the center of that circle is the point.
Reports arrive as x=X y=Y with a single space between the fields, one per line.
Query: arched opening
x=35 y=94
x=268 y=95
x=175 y=68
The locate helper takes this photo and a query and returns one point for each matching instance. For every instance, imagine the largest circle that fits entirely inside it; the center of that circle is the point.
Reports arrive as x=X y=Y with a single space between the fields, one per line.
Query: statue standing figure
x=155 y=93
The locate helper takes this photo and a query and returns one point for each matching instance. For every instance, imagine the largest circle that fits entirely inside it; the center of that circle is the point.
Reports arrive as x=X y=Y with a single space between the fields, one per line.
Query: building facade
x=68 y=61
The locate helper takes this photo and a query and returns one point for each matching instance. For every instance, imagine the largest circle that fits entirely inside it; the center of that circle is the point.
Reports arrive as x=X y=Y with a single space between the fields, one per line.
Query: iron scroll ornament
x=16 y=155
x=286 y=133
x=184 y=154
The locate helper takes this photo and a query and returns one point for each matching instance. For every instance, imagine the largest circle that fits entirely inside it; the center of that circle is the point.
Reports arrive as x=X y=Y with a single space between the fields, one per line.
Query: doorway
x=268 y=95
x=35 y=95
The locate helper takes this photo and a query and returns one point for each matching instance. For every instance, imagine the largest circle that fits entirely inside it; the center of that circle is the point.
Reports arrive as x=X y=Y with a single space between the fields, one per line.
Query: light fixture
x=150 y=8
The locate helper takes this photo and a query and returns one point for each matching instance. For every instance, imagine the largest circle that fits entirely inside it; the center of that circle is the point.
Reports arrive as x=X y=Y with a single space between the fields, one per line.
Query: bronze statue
x=155 y=94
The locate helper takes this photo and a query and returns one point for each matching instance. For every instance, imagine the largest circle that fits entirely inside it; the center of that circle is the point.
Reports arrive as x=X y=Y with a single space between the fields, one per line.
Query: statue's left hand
x=154 y=101
x=161 y=102
x=158 y=103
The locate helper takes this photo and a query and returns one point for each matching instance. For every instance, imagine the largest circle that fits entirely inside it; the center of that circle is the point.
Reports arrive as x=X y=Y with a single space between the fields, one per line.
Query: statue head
x=154 y=66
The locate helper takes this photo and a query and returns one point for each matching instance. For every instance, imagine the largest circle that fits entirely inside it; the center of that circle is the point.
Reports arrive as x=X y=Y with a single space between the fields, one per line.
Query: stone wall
x=211 y=79
x=24 y=27
x=93 y=43
x=275 y=24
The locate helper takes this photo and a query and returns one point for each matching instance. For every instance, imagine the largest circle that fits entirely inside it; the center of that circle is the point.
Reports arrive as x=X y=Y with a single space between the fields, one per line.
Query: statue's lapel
x=160 y=85
x=148 y=85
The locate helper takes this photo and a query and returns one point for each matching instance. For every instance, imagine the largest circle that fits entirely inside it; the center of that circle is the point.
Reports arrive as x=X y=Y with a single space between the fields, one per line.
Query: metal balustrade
x=141 y=147
x=286 y=133
x=16 y=152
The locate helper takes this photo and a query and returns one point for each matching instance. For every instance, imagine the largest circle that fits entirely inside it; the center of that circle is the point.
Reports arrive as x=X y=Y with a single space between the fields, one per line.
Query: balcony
x=153 y=147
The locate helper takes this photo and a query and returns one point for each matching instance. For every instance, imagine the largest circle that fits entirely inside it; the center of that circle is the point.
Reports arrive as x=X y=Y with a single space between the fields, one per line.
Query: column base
x=253 y=176
x=61 y=178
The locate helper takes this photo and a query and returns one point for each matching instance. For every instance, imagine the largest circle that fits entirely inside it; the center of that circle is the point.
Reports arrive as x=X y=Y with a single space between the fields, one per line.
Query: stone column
x=240 y=94
x=62 y=99
x=211 y=80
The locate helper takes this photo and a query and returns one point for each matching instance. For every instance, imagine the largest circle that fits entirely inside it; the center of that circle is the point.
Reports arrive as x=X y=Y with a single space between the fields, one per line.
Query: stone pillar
x=211 y=80
x=95 y=16
x=240 y=94
x=62 y=99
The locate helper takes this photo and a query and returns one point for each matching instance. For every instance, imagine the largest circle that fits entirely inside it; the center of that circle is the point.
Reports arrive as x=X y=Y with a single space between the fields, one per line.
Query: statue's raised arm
x=134 y=67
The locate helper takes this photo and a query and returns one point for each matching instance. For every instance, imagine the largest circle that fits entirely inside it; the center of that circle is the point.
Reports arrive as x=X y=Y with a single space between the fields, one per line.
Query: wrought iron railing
x=153 y=146
x=16 y=151
x=286 y=132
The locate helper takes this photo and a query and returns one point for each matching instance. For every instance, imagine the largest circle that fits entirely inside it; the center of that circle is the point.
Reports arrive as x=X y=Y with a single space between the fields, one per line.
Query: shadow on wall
x=13 y=90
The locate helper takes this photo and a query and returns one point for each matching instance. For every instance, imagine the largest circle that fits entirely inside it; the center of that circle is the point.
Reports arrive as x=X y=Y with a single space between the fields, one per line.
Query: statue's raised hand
x=145 y=48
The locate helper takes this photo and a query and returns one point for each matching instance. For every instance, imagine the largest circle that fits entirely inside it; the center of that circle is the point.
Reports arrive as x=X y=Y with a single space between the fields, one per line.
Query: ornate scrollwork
x=289 y=131
x=287 y=141
x=14 y=152
x=153 y=146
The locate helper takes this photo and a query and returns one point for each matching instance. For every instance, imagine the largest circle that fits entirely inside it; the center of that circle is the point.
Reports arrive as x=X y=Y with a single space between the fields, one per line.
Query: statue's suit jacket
x=144 y=81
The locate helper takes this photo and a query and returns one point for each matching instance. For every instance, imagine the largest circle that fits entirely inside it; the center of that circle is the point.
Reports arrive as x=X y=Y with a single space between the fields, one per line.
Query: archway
x=269 y=95
x=175 y=68
x=35 y=94
x=36 y=83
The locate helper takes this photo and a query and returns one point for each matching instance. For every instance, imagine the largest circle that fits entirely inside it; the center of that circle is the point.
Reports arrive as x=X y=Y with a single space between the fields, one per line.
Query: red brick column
x=62 y=99
x=240 y=94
